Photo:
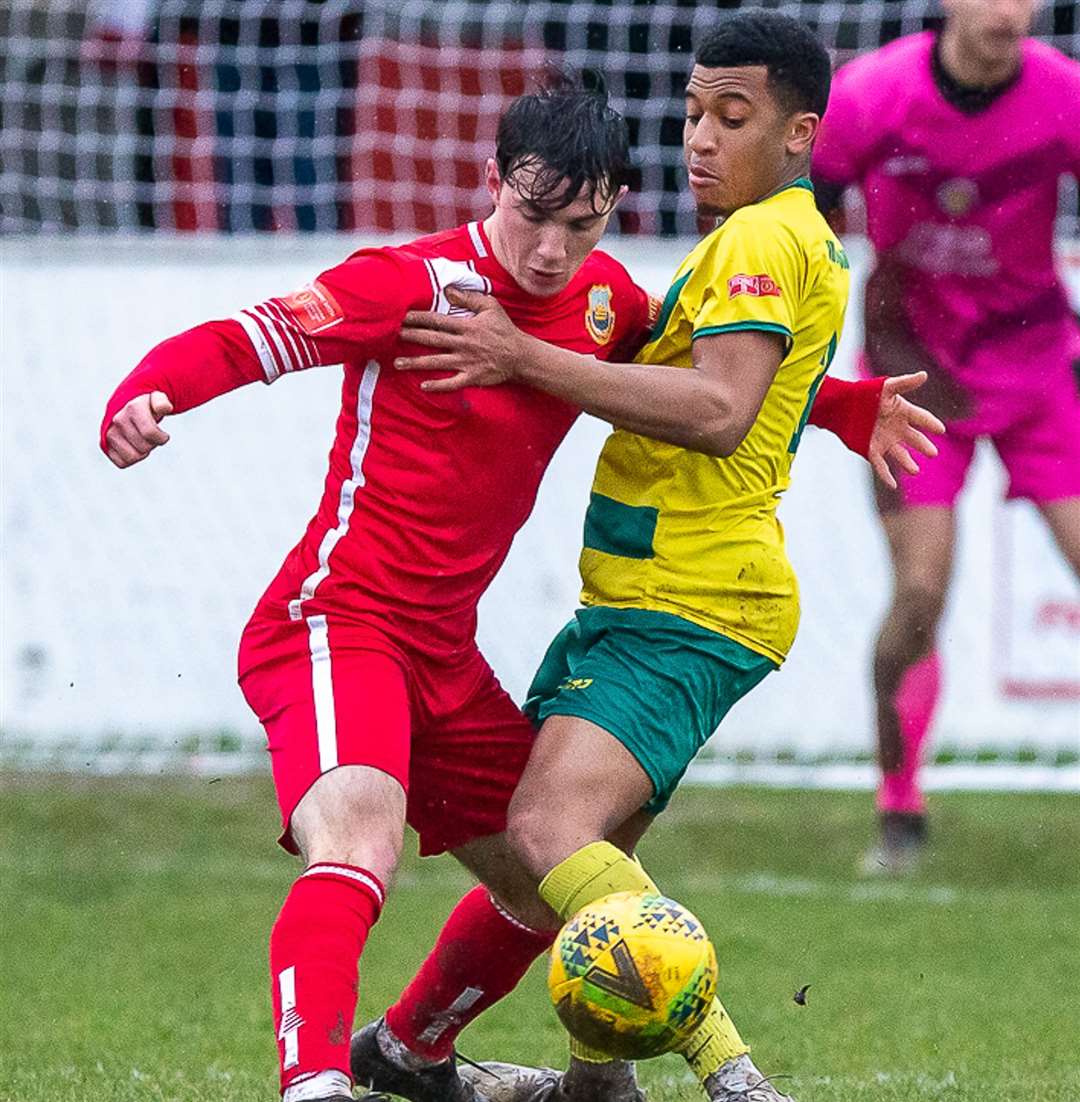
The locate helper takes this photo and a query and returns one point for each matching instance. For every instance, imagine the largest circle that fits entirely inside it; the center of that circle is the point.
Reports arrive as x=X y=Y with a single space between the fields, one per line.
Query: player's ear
x=801 y=131
x=492 y=180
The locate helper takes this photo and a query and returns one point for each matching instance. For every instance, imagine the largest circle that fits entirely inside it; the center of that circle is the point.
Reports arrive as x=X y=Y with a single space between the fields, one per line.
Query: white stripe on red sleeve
x=263 y=348
x=281 y=345
x=307 y=350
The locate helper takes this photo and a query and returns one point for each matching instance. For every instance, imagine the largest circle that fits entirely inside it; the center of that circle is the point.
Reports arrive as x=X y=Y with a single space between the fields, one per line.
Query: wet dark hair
x=798 y=64
x=568 y=138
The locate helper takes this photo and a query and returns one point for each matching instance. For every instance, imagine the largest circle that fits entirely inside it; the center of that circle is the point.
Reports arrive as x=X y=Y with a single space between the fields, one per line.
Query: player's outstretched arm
x=709 y=407
x=180 y=373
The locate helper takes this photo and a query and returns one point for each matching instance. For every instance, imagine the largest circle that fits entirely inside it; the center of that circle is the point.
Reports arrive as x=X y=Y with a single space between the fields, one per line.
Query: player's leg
x=579 y=780
x=919 y=526
x=643 y=693
x=1041 y=454
x=348 y=829
x=1063 y=519
x=499 y=928
x=482 y=952
x=338 y=726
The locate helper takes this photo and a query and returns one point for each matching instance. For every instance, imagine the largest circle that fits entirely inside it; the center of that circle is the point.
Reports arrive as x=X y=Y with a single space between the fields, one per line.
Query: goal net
x=291 y=115
x=168 y=162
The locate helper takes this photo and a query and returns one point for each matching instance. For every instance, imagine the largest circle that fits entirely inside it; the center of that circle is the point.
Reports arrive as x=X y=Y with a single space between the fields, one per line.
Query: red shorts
x=331 y=693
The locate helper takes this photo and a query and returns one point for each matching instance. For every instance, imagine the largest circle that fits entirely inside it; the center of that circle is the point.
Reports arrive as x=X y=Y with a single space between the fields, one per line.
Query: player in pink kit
x=360 y=659
x=958 y=141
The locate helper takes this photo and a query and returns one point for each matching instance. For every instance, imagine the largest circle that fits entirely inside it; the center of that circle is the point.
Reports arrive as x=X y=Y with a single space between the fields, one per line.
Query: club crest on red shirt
x=600 y=317
x=758 y=286
x=314 y=308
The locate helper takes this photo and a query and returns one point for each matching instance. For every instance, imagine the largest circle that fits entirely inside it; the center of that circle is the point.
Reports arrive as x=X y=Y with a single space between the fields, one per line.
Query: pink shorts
x=1040 y=450
x=330 y=693
x=1036 y=436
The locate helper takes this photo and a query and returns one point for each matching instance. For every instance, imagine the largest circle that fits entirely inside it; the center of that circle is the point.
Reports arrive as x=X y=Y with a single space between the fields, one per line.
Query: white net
x=294 y=115
x=124 y=593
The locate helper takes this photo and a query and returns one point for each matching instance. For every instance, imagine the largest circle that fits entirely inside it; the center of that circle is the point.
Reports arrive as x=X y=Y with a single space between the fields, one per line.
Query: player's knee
x=542 y=835
x=524 y=833
x=354 y=816
x=918 y=605
x=511 y=884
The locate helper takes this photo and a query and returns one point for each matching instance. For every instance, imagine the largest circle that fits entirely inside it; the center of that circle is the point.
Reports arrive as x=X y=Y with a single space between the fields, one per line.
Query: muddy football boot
x=378 y=1074
x=614 y=1082
x=739 y=1081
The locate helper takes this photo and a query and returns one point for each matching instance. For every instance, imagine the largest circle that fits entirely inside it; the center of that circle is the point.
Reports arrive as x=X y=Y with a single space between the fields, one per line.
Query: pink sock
x=480 y=956
x=915 y=701
x=315 y=949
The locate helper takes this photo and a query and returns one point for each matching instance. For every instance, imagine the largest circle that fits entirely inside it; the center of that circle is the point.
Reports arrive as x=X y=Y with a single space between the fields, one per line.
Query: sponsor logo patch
x=314 y=308
x=956 y=197
x=758 y=286
x=600 y=317
x=904 y=164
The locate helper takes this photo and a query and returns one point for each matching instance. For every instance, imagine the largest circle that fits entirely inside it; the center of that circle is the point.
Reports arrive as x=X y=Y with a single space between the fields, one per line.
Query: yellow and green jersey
x=676 y=531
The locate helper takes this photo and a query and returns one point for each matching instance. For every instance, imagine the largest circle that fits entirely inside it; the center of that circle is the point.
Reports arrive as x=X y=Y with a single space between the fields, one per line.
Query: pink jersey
x=961 y=210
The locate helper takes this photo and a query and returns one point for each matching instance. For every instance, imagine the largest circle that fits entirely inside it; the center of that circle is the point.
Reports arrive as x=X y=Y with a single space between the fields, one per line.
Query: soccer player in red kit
x=360 y=659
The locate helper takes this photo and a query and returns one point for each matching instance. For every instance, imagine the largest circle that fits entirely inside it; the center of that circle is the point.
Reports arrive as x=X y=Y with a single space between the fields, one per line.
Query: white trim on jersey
x=477 y=240
x=303 y=338
x=434 y=285
x=445 y=273
x=280 y=345
x=322 y=690
x=274 y=331
x=365 y=394
x=304 y=353
x=260 y=344
x=352 y=874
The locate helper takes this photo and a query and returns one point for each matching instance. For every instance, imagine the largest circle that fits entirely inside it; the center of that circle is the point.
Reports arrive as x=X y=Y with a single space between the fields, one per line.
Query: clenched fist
x=135 y=431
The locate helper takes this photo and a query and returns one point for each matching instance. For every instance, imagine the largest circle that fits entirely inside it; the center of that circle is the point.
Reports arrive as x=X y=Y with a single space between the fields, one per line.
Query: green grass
x=134 y=915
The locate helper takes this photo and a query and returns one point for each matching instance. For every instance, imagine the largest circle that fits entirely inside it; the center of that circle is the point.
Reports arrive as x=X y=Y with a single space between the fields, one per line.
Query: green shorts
x=656 y=682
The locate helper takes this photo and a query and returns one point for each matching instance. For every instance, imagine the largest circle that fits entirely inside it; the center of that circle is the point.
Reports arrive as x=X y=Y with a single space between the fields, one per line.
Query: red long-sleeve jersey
x=424 y=492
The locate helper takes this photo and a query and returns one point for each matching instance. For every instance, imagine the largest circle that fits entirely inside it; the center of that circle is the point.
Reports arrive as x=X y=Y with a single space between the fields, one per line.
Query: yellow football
x=632 y=974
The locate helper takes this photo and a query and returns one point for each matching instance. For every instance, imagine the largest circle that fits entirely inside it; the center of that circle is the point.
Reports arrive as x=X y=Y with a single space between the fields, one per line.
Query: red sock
x=915 y=701
x=315 y=948
x=480 y=956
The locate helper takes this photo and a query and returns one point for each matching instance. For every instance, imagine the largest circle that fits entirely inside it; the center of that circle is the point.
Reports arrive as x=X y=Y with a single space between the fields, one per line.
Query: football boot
x=901 y=846
x=739 y=1081
x=373 y=1070
x=614 y=1082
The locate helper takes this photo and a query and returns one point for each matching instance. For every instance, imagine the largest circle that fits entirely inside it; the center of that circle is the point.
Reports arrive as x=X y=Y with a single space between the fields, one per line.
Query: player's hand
x=135 y=432
x=901 y=428
x=482 y=350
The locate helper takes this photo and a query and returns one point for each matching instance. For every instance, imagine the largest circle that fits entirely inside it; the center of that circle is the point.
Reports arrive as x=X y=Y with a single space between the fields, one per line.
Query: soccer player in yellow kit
x=689 y=597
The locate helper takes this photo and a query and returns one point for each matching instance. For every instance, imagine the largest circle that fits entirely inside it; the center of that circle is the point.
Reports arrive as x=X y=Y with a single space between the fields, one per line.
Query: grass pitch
x=135 y=915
